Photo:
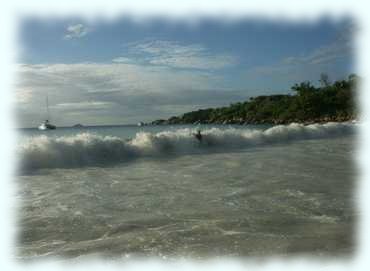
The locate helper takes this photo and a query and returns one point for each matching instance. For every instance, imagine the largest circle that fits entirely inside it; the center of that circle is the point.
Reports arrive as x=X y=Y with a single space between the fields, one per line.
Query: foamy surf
x=86 y=149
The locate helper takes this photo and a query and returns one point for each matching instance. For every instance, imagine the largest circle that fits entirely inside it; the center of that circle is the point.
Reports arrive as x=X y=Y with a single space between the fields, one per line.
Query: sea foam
x=87 y=149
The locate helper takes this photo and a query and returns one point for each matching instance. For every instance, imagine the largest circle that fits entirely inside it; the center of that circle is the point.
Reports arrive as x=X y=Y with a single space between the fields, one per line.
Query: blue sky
x=122 y=72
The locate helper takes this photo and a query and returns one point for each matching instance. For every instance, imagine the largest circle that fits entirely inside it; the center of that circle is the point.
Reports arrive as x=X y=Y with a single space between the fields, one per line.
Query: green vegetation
x=307 y=104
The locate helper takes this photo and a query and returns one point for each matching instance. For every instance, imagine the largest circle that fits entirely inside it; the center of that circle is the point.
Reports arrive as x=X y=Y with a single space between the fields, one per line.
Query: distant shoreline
x=159 y=124
x=331 y=102
x=277 y=122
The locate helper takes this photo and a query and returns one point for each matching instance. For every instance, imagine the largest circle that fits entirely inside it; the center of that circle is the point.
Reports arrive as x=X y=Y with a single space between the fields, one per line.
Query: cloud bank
x=118 y=93
x=176 y=55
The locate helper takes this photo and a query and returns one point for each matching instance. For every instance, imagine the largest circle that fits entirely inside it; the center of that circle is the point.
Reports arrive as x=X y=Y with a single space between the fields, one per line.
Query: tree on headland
x=304 y=88
x=324 y=80
x=328 y=102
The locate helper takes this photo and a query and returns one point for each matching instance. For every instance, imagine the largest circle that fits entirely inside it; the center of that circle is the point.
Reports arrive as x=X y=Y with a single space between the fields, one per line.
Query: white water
x=243 y=190
x=85 y=149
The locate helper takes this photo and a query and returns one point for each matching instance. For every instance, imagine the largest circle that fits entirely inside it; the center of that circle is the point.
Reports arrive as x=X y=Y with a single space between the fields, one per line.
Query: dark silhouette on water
x=198 y=136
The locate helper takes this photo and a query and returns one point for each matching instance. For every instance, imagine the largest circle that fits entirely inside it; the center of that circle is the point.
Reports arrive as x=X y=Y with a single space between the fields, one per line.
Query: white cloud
x=324 y=54
x=76 y=31
x=23 y=96
x=121 y=77
x=341 y=47
x=122 y=60
x=309 y=66
x=175 y=55
x=86 y=105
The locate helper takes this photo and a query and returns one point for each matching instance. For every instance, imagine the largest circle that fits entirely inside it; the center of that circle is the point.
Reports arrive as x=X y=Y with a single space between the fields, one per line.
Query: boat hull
x=44 y=127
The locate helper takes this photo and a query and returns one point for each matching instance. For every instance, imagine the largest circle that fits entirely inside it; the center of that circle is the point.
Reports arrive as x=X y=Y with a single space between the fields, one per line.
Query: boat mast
x=47 y=107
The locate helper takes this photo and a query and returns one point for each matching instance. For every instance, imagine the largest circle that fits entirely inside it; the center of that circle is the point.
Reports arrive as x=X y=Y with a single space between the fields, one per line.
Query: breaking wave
x=90 y=149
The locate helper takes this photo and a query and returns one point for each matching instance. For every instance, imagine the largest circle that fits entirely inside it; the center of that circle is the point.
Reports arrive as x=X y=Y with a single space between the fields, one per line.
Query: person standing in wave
x=198 y=136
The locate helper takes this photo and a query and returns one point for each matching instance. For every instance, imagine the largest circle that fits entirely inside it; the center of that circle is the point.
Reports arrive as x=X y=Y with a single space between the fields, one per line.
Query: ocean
x=126 y=191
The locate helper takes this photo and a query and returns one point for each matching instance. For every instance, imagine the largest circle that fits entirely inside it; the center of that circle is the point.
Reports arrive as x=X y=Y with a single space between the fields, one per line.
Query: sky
x=124 y=72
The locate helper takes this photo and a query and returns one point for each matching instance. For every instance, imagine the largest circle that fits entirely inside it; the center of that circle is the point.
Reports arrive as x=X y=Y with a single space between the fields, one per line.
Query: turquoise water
x=157 y=190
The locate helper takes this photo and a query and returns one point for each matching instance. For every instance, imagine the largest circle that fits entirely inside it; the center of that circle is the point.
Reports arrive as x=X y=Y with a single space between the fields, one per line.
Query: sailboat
x=46 y=125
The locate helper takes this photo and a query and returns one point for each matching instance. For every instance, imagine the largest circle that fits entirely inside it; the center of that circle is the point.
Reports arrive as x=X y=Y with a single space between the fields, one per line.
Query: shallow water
x=243 y=195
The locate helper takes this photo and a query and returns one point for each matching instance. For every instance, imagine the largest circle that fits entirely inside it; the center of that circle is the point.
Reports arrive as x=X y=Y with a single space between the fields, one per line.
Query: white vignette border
x=188 y=10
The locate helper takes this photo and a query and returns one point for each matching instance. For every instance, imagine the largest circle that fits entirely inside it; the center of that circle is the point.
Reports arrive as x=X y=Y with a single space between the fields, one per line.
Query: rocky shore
x=241 y=121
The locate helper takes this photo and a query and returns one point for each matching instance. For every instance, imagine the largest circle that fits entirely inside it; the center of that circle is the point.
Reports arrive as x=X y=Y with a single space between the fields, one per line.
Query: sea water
x=158 y=191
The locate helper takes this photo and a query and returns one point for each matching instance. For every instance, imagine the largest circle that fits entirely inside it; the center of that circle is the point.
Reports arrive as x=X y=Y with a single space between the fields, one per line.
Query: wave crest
x=90 y=149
